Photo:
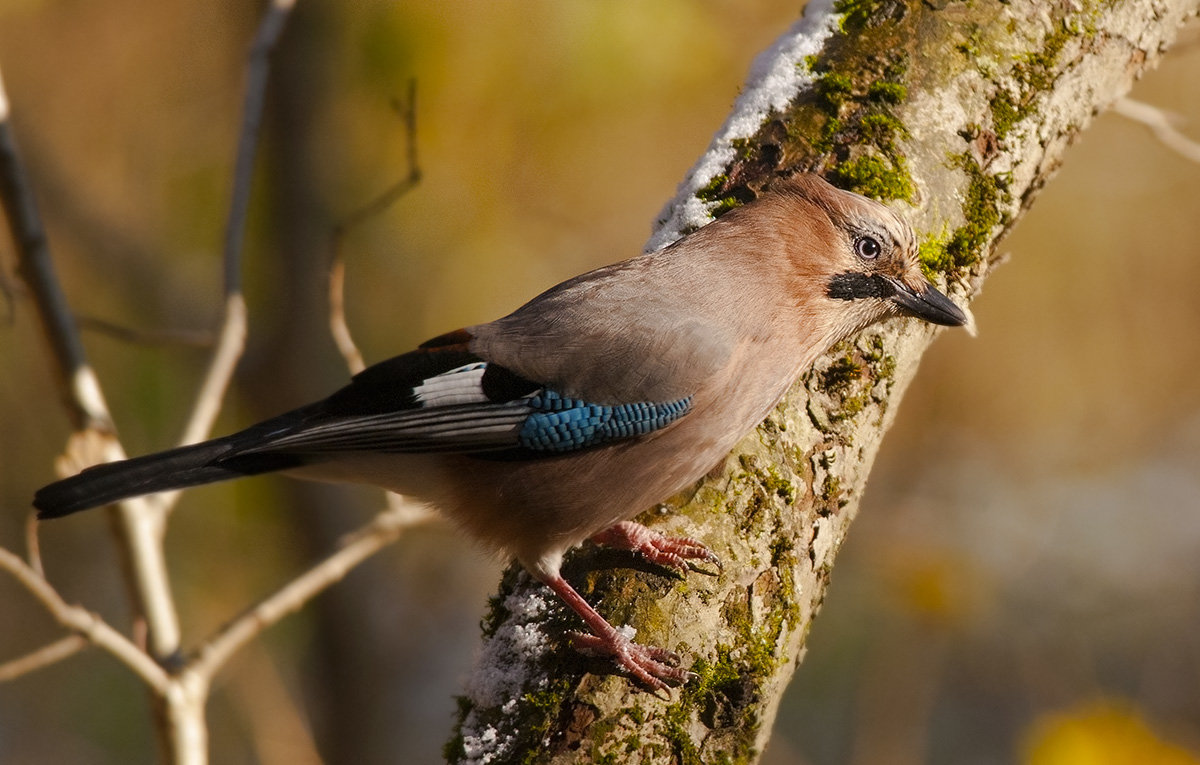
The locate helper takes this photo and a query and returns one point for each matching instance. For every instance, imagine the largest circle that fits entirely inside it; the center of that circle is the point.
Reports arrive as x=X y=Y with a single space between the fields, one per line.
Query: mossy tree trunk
x=954 y=112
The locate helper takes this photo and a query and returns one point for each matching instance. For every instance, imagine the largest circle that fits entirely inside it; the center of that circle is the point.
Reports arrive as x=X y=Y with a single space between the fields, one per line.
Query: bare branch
x=84 y=401
x=232 y=336
x=9 y=291
x=183 y=337
x=60 y=649
x=337 y=261
x=79 y=620
x=33 y=546
x=338 y=327
x=407 y=109
x=1162 y=124
x=257 y=71
x=140 y=533
x=231 y=341
x=354 y=549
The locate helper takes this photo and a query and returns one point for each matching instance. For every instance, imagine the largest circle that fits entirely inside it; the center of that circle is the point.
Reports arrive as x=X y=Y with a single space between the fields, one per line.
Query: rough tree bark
x=956 y=113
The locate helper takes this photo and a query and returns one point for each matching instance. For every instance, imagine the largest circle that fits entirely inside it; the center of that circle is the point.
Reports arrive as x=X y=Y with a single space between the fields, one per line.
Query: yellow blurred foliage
x=936 y=586
x=1100 y=733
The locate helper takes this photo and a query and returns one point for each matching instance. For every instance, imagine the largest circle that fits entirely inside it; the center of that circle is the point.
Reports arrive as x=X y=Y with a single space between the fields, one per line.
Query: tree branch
x=231 y=339
x=383 y=529
x=182 y=693
x=82 y=397
x=194 y=339
x=94 y=440
x=963 y=111
x=60 y=649
x=85 y=623
x=338 y=327
x=33 y=545
x=1162 y=124
x=141 y=523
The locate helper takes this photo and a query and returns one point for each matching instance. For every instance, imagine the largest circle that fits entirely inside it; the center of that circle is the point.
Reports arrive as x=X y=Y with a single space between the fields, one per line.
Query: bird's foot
x=654 y=667
x=671 y=552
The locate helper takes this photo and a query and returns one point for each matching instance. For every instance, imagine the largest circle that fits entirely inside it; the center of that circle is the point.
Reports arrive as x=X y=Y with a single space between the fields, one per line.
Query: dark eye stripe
x=853 y=286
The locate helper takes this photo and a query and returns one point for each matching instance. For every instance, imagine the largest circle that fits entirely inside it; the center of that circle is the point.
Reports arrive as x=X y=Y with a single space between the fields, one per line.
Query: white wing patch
x=463 y=385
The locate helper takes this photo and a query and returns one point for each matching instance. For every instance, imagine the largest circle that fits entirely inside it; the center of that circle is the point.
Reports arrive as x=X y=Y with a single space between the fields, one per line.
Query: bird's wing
x=617 y=353
x=444 y=398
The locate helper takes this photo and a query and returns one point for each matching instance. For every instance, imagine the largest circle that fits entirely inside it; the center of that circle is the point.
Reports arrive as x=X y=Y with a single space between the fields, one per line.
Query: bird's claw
x=654 y=667
x=671 y=552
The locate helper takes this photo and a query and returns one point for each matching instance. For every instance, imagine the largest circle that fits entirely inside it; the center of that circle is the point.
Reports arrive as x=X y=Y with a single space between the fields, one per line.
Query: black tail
x=209 y=462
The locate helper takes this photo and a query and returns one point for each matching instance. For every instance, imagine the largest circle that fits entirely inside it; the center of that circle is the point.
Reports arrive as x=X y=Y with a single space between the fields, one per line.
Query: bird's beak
x=926 y=302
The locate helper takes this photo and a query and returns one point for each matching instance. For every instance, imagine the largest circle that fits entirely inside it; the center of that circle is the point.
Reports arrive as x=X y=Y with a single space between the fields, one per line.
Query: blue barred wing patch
x=560 y=424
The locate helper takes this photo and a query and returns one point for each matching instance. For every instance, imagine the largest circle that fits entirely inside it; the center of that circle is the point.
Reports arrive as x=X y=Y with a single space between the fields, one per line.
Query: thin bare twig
x=1162 y=124
x=83 y=399
x=183 y=693
x=182 y=337
x=89 y=625
x=231 y=341
x=139 y=532
x=407 y=109
x=338 y=326
x=383 y=529
x=60 y=649
x=232 y=335
x=33 y=545
x=9 y=290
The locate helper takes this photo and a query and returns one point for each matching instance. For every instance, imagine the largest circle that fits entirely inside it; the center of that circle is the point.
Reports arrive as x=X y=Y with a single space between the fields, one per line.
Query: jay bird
x=592 y=402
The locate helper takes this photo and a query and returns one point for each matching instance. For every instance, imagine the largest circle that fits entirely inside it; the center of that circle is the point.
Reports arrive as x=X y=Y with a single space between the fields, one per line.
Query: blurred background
x=1022 y=585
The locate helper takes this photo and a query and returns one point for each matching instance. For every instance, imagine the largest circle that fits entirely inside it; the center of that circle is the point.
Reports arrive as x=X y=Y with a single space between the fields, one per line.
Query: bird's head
x=866 y=257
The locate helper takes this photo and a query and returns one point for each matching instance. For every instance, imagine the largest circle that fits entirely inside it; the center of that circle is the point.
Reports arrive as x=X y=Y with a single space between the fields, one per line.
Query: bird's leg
x=655 y=667
x=672 y=552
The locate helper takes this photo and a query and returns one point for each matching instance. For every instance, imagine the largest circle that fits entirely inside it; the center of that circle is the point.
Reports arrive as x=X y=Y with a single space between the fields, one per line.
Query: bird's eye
x=867 y=248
